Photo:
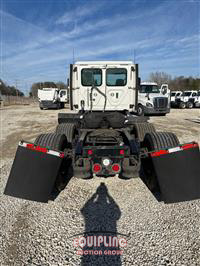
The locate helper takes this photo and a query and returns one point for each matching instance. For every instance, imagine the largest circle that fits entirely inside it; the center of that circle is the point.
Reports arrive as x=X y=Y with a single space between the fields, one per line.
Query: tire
x=156 y=141
x=53 y=141
x=57 y=142
x=182 y=105
x=160 y=140
x=140 y=110
x=41 y=108
x=189 y=105
x=140 y=129
x=68 y=129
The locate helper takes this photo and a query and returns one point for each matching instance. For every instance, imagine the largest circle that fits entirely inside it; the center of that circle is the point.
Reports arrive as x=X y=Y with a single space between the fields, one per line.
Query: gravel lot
x=42 y=234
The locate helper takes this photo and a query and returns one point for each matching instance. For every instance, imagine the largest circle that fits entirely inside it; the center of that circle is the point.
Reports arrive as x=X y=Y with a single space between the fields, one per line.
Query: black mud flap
x=33 y=172
x=178 y=172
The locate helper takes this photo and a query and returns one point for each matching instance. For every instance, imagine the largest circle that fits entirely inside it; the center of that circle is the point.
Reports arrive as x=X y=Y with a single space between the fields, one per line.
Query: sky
x=38 y=37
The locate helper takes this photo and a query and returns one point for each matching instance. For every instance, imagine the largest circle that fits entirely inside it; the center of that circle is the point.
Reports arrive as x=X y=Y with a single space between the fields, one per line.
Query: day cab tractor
x=102 y=137
x=153 y=99
x=186 y=100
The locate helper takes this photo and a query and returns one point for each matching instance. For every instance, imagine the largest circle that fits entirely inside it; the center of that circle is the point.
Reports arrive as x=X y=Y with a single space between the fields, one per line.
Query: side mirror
x=164 y=88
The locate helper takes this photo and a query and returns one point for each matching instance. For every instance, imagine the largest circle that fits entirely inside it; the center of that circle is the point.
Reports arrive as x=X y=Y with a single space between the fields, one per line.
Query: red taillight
x=121 y=152
x=116 y=167
x=96 y=168
x=90 y=152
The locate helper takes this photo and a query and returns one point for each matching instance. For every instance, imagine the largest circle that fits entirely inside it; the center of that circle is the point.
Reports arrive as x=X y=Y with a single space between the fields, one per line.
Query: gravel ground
x=42 y=234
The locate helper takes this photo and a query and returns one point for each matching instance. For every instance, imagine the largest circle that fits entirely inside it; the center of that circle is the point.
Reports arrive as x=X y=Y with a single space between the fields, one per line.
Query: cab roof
x=104 y=63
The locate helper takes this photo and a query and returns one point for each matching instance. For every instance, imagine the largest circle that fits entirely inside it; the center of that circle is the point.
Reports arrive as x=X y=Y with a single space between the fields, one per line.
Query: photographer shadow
x=101 y=214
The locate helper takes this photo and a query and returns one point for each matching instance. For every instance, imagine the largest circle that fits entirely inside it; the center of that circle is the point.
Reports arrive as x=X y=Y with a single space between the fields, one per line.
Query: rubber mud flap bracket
x=33 y=172
x=178 y=172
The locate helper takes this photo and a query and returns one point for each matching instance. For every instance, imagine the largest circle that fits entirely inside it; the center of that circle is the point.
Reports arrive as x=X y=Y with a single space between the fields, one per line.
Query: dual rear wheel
x=57 y=142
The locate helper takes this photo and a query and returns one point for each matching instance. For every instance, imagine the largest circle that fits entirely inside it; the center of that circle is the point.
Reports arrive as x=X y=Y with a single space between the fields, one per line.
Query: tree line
x=177 y=83
x=47 y=84
x=9 y=90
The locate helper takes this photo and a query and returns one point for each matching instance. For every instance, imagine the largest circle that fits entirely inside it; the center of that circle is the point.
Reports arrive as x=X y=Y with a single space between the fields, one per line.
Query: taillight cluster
x=90 y=152
x=97 y=168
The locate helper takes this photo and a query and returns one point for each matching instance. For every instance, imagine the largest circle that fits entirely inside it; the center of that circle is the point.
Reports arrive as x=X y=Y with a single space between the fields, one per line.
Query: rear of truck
x=48 y=98
x=104 y=138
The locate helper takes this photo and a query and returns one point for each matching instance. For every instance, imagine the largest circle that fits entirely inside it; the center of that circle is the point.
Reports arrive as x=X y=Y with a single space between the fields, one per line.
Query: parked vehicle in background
x=186 y=100
x=196 y=100
x=52 y=98
x=153 y=99
x=173 y=96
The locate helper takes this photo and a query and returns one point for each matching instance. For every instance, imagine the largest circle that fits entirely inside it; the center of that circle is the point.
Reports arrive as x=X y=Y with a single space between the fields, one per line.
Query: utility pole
x=73 y=56
x=16 y=86
x=134 y=55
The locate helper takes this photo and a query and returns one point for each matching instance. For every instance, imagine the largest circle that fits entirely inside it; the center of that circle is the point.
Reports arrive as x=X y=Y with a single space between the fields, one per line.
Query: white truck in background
x=173 y=96
x=153 y=99
x=52 y=98
x=197 y=100
x=186 y=99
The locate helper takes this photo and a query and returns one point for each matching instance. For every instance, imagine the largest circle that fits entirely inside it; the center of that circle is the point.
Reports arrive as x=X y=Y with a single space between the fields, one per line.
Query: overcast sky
x=38 y=37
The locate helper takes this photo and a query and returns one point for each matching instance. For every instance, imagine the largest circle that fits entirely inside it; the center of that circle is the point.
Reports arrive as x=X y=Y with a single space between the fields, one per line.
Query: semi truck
x=153 y=99
x=173 y=96
x=102 y=137
x=52 y=98
x=186 y=99
x=196 y=101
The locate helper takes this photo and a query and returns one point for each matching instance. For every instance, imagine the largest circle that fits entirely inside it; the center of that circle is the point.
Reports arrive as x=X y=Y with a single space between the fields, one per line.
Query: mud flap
x=178 y=172
x=33 y=172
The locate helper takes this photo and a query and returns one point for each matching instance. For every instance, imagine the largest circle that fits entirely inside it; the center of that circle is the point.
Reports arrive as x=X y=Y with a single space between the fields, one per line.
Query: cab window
x=62 y=93
x=149 y=89
x=86 y=74
x=116 y=77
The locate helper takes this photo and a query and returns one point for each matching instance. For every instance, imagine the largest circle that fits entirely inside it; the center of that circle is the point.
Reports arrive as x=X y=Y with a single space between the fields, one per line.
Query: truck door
x=63 y=96
x=85 y=85
x=120 y=89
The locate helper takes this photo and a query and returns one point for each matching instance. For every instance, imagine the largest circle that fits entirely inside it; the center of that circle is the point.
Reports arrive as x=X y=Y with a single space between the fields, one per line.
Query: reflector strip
x=41 y=149
x=175 y=149
x=158 y=153
x=189 y=146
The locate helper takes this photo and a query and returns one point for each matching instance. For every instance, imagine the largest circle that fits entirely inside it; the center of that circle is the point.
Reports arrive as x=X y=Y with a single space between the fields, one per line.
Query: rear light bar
x=171 y=150
x=41 y=149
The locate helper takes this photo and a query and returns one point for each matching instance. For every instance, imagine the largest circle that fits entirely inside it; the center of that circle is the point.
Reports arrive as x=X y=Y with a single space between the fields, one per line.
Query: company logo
x=100 y=244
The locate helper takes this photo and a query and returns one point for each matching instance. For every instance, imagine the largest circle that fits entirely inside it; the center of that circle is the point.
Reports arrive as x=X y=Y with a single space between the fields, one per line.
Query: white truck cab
x=103 y=85
x=153 y=99
x=173 y=96
x=186 y=99
x=52 y=98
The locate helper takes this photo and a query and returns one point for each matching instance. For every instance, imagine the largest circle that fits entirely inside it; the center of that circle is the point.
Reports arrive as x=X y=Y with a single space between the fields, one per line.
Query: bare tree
x=160 y=78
